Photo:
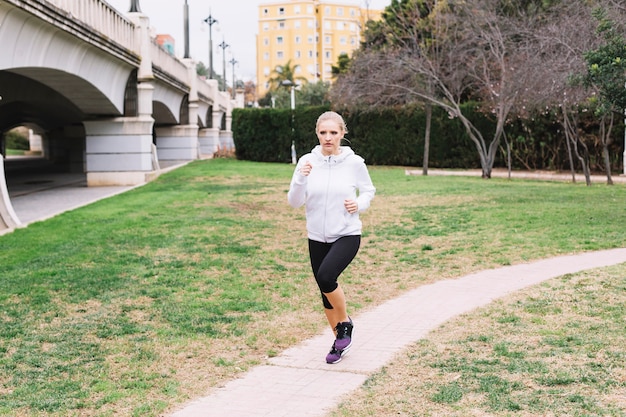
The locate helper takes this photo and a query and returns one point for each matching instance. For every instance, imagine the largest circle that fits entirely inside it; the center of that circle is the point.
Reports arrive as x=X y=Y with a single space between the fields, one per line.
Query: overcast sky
x=237 y=26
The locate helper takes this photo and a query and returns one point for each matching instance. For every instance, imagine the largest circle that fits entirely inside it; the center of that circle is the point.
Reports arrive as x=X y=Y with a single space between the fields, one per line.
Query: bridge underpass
x=112 y=106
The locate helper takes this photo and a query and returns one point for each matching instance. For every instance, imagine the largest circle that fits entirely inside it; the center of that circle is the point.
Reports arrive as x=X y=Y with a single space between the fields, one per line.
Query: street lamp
x=292 y=88
x=223 y=45
x=210 y=21
x=186 y=26
x=134 y=7
x=233 y=62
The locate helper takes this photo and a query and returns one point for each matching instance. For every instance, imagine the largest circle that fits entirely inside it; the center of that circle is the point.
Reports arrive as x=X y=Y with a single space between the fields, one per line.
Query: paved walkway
x=298 y=382
x=617 y=177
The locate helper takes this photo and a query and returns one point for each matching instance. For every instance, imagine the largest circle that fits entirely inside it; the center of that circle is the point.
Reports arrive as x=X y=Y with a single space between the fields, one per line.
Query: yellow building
x=310 y=33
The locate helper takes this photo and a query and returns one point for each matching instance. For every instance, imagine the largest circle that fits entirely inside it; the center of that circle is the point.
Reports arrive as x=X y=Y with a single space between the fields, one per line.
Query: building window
x=310 y=24
x=310 y=54
x=266 y=56
x=310 y=39
x=342 y=40
x=266 y=41
x=266 y=71
x=281 y=11
x=296 y=24
x=327 y=25
x=352 y=12
x=341 y=25
x=298 y=54
x=279 y=40
x=298 y=39
x=327 y=54
x=266 y=26
x=280 y=54
x=327 y=40
x=296 y=9
x=339 y=11
x=265 y=12
x=309 y=9
x=281 y=25
x=327 y=10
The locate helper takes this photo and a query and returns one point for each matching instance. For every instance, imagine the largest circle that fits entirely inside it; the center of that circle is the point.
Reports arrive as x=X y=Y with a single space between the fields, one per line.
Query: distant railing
x=169 y=64
x=103 y=18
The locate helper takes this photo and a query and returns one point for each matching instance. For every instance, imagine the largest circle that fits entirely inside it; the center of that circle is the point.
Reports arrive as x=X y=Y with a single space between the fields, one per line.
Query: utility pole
x=233 y=62
x=186 y=30
x=134 y=7
x=223 y=45
x=210 y=21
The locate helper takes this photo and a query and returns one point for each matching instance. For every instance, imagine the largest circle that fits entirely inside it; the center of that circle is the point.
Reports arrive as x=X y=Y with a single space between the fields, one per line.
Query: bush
x=395 y=136
x=16 y=140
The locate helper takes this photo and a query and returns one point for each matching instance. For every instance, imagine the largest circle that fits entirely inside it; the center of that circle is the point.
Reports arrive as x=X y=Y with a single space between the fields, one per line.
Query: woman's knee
x=326 y=281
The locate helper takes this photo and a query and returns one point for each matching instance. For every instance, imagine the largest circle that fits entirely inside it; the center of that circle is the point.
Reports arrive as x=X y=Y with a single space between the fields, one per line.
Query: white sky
x=237 y=26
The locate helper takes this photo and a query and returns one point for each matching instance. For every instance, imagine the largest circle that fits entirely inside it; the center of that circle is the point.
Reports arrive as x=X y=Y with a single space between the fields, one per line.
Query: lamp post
x=233 y=62
x=186 y=26
x=223 y=45
x=292 y=88
x=134 y=7
x=210 y=21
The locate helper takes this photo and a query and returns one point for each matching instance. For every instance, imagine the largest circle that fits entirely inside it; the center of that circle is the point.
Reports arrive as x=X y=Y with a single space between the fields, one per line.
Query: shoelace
x=342 y=330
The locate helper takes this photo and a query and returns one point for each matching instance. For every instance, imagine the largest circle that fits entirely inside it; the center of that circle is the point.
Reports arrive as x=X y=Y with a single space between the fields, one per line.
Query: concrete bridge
x=106 y=99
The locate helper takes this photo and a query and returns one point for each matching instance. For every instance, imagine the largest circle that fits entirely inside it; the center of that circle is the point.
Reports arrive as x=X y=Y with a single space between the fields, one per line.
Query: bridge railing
x=168 y=63
x=103 y=18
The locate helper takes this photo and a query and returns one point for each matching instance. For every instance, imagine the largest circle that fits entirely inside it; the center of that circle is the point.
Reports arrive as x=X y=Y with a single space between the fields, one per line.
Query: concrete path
x=298 y=382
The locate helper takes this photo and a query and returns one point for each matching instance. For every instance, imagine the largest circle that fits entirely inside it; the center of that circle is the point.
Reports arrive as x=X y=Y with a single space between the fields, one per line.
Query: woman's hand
x=351 y=205
x=306 y=169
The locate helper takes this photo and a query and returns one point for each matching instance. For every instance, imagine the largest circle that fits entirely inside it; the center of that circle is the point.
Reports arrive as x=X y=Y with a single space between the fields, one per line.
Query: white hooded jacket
x=332 y=180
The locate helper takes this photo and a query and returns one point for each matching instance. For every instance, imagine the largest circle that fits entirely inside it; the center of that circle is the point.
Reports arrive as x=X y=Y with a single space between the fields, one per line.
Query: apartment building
x=310 y=33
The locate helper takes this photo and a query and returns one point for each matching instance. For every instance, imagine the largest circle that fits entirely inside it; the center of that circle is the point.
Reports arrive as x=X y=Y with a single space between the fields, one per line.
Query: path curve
x=298 y=382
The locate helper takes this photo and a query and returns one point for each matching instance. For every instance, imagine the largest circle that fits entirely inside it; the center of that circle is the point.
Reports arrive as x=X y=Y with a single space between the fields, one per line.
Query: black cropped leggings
x=329 y=260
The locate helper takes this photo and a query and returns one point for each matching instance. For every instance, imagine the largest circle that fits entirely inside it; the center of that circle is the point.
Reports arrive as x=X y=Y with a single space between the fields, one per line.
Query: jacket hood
x=346 y=152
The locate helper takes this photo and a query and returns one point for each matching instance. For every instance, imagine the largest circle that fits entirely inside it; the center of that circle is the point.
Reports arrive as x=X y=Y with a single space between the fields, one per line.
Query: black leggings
x=328 y=261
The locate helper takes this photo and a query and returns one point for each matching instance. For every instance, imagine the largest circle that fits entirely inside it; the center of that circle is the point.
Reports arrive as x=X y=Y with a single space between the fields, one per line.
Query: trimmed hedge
x=395 y=136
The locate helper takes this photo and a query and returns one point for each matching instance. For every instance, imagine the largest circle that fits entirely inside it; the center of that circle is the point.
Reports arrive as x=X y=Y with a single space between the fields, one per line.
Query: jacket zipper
x=326 y=201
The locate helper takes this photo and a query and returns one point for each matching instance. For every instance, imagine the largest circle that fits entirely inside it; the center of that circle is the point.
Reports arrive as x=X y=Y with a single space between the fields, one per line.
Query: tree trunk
x=429 y=116
x=605 y=134
x=566 y=128
x=509 y=163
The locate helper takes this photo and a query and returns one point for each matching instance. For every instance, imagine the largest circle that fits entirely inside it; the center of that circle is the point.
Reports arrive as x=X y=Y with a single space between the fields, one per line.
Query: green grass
x=135 y=304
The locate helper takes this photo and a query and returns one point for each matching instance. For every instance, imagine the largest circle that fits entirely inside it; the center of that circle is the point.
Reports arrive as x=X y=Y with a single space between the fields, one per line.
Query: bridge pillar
x=209 y=142
x=176 y=144
x=119 y=151
x=226 y=136
x=8 y=218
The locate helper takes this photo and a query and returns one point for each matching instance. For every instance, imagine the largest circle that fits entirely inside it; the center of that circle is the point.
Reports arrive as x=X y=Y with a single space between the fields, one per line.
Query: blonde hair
x=335 y=117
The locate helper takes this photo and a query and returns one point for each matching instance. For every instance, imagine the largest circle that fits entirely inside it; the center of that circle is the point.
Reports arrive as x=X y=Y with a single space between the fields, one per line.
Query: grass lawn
x=138 y=303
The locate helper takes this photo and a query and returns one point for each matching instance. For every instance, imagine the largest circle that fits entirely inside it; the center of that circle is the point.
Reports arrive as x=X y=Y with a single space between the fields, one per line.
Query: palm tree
x=284 y=73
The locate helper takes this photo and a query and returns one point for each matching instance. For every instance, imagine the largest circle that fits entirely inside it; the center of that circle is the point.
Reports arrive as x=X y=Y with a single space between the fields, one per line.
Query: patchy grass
x=554 y=349
x=138 y=303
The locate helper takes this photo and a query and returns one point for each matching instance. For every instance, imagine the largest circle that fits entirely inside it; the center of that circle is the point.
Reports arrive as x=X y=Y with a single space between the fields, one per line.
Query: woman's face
x=329 y=134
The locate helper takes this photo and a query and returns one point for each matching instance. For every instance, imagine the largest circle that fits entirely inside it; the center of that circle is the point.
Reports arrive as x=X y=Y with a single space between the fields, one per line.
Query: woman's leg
x=328 y=261
x=338 y=313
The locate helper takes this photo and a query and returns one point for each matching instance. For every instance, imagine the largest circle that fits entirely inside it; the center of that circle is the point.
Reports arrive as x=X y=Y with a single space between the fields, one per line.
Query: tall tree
x=459 y=50
x=382 y=37
x=606 y=75
x=283 y=73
